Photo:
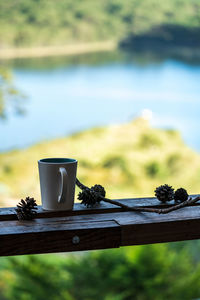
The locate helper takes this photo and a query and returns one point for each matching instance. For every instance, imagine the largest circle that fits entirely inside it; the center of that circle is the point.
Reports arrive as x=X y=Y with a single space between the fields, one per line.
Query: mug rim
x=58 y=160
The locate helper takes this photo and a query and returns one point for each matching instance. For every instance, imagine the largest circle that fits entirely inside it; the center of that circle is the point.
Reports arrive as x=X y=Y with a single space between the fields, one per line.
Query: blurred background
x=114 y=84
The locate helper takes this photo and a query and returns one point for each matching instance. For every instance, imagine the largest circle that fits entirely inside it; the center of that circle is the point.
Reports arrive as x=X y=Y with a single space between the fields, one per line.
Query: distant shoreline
x=75 y=49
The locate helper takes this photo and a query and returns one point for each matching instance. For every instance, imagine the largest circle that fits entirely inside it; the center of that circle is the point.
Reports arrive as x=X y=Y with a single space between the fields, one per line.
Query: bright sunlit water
x=70 y=96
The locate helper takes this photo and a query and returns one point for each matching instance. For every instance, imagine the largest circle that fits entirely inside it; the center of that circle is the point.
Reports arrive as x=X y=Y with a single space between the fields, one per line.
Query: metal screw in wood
x=76 y=240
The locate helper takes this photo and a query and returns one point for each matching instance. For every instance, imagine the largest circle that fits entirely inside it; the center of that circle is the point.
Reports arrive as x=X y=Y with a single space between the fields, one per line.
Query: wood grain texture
x=8 y=213
x=33 y=237
x=102 y=227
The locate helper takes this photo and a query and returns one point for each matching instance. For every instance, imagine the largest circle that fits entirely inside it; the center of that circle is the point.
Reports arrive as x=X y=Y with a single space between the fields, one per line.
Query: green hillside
x=49 y=22
x=129 y=160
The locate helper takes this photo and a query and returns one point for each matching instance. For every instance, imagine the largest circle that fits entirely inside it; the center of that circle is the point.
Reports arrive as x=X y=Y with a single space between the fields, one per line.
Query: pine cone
x=91 y=196
x=180 y=195
x=164 y=193
x=26 y=209
x=99 y=189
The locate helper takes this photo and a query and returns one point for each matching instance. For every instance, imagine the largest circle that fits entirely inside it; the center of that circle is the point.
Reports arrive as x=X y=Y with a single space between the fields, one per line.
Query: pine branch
x=139 y=208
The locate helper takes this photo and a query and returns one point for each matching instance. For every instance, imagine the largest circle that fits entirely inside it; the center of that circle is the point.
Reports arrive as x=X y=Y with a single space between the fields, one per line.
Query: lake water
x=66 y=95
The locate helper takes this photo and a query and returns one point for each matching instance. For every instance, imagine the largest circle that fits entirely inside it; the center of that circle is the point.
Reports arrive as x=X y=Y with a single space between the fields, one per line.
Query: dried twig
x=143 y=209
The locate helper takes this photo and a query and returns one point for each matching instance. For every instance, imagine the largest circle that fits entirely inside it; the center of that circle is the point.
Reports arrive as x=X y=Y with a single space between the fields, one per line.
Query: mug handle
x=64 y=181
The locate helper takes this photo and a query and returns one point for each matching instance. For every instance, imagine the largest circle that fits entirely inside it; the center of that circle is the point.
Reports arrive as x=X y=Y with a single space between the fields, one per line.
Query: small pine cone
x=84 y=195
x=91 y=196
x=26 y=209
x=88 y=197
x=164 y=193
x=99 y=189
x=180 y=195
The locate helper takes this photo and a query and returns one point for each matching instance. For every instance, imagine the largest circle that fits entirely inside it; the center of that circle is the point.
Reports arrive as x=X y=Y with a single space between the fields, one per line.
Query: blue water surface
x=68 y=98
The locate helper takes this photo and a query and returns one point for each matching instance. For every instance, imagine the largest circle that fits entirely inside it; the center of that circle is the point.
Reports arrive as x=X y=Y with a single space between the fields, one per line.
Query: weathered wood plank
x=123 y=218
x=32 y=237
x=145 y=228
x=141 y=234
x=79 y=209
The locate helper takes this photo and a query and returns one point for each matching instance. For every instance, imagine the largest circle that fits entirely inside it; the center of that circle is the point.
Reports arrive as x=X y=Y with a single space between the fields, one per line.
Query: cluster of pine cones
x=89 y=197
x=26 y=209
x=166 y=193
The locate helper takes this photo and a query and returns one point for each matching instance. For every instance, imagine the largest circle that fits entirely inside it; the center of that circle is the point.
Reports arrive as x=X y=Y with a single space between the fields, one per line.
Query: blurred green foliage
x=10 y=97
x=144 y=273
x=49 y=22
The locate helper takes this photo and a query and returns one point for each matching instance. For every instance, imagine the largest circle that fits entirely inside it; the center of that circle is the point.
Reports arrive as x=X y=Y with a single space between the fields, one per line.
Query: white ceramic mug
x=57 y=182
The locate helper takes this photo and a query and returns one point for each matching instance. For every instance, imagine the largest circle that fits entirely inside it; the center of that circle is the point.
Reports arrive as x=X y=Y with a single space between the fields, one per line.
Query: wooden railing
x=105 y=226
